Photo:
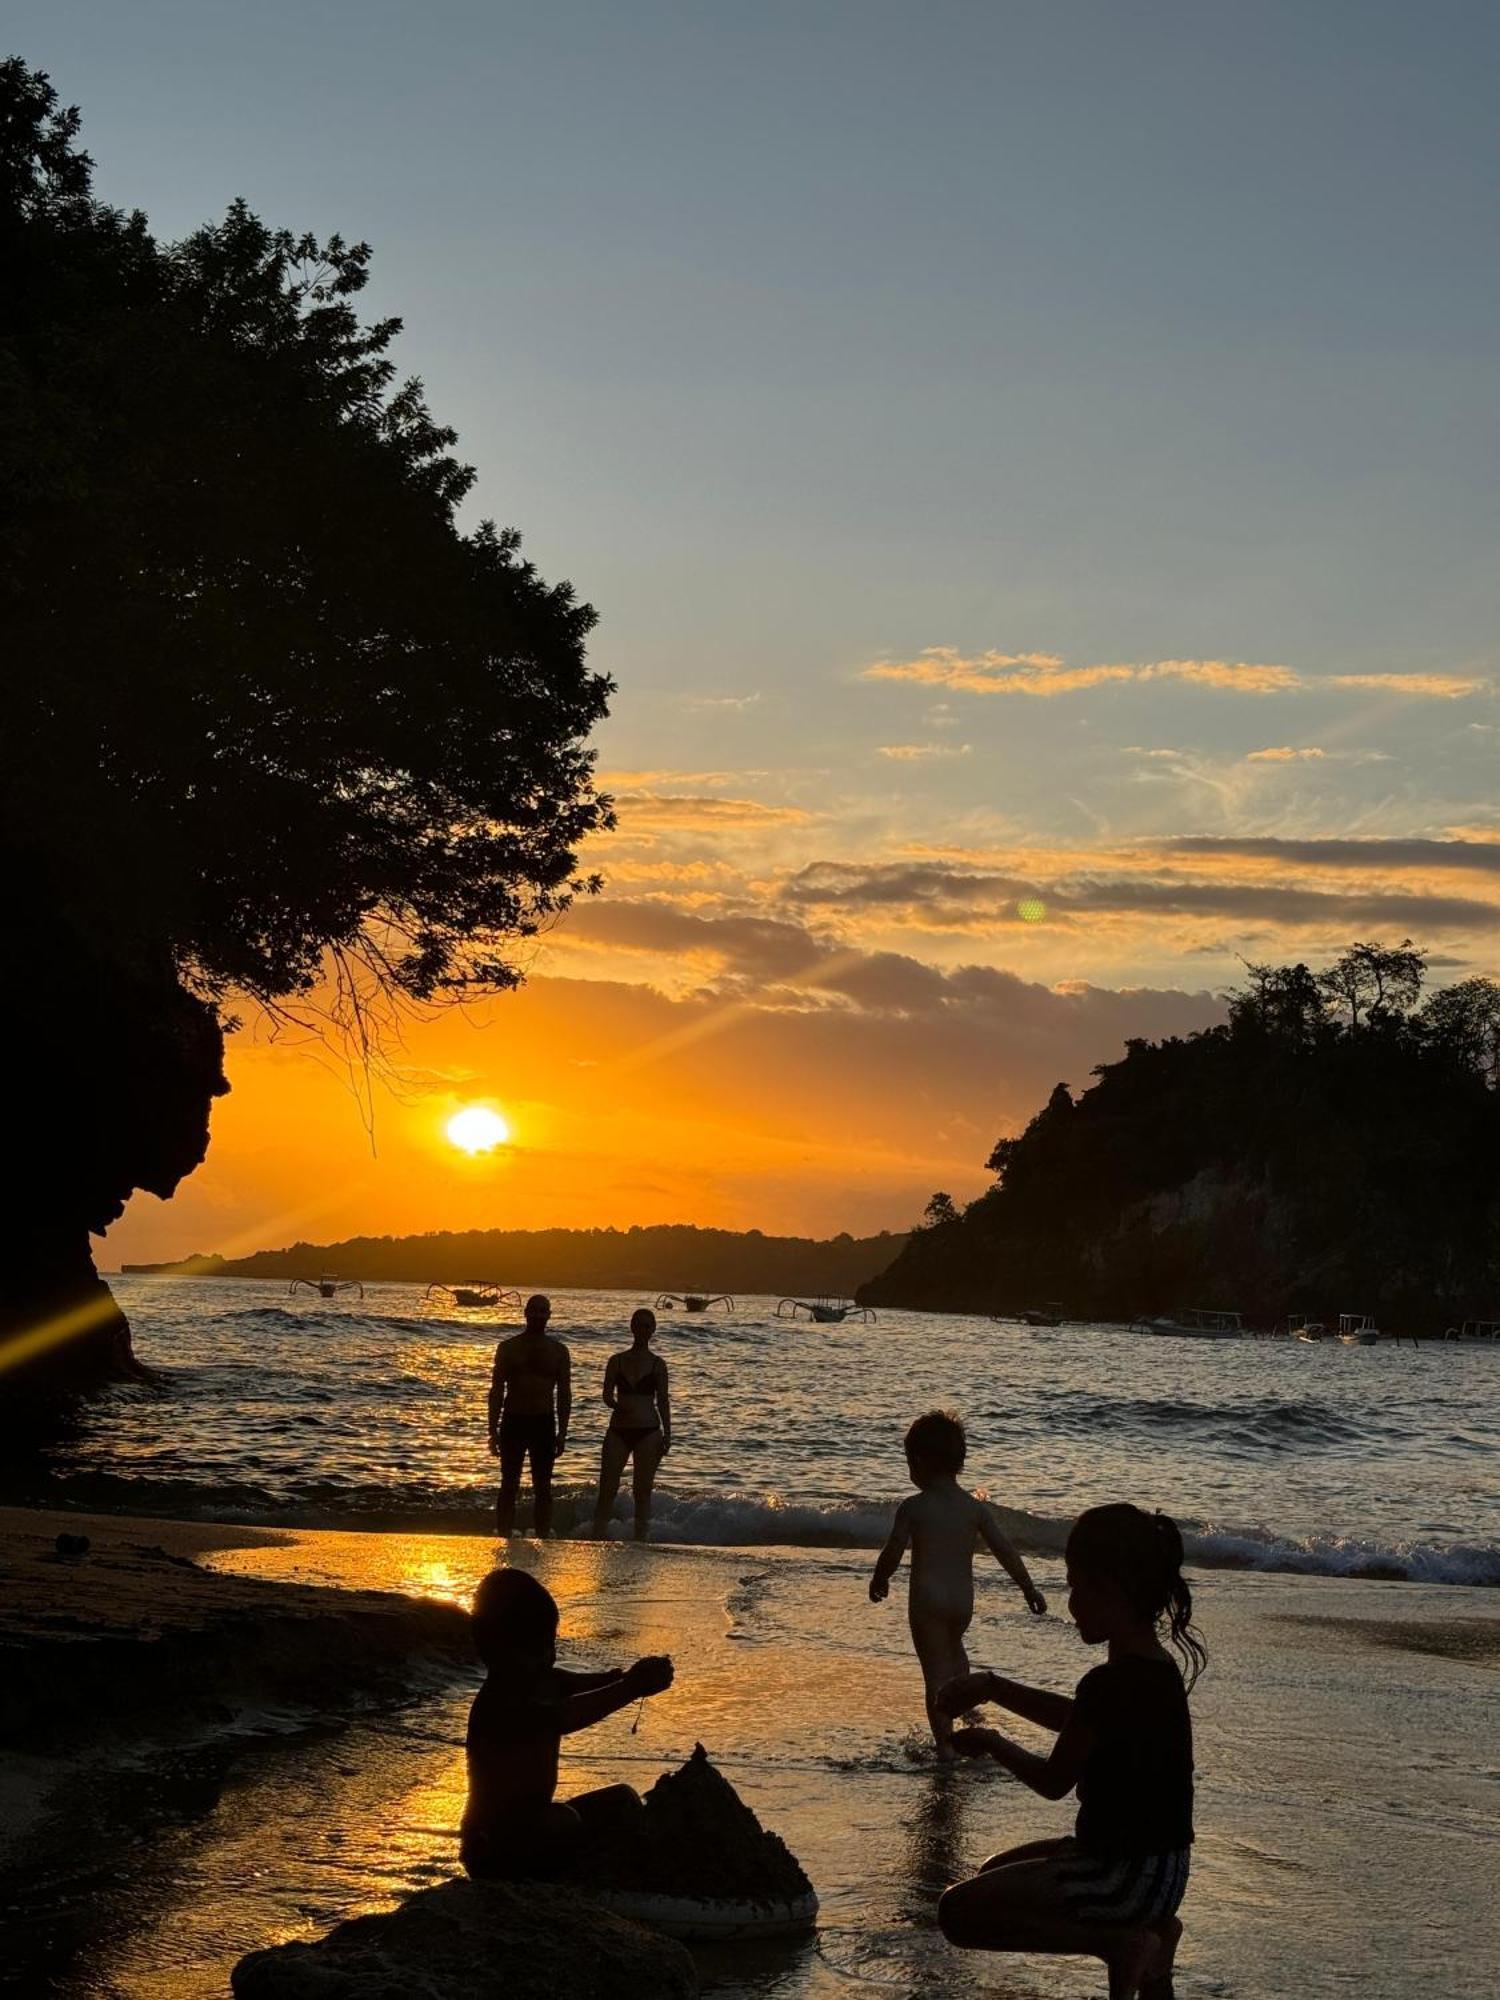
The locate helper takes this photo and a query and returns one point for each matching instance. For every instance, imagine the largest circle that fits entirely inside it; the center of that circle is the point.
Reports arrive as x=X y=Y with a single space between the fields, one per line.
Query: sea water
x=1348 y=1800
x=346 y=1412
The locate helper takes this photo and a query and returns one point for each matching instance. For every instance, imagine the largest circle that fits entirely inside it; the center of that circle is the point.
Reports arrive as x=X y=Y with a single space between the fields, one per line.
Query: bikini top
x=645 y=1385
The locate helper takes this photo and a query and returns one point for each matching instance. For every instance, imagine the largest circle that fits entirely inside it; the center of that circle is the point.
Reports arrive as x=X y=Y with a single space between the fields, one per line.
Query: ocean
x=295 y=1411
x=1345 y=1530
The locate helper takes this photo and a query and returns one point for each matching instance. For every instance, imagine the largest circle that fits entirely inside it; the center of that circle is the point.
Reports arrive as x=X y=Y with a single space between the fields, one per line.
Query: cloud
x=964 y=900
x=634 y=781
x=682 y=809
x=1283 y=753
x=1481 y=856
x=731 y=701
x=1438 y=687
x=917 y=753
x=1046 y=674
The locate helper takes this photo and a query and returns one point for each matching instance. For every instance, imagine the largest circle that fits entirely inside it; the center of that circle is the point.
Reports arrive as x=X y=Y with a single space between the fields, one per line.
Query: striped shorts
x=1123 y=1888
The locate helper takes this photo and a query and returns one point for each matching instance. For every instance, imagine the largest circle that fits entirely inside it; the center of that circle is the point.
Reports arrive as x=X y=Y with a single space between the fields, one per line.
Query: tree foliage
x=264 y=696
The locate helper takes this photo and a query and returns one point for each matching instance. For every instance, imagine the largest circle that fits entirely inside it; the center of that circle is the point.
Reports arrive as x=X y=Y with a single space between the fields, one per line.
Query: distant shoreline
x=663 y=1257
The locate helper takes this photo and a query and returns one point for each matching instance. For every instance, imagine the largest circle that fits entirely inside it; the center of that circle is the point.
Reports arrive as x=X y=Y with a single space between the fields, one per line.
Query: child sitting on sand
x=513 y=1827
x=942 y=1523
x=1125 y=1741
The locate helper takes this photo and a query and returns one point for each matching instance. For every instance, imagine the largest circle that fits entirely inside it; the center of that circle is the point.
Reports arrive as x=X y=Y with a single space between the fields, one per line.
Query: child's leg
x=610 y=1810
x=642 y=1479
x=937 y=1633
x=1020 y=1906
x=611 y=1465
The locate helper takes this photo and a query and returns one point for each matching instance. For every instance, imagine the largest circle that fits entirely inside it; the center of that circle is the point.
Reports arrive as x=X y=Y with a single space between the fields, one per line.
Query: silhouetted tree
x=942 y=1208
x=1464 y=1021
x=1374 y=980
x=268 y=708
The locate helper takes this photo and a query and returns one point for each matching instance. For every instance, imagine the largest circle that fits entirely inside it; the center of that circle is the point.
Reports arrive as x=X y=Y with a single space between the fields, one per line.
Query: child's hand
x=975 y=1742
x=963 y=1691
x=652 y=1675
x=1035 y=1601
x=880 y=1590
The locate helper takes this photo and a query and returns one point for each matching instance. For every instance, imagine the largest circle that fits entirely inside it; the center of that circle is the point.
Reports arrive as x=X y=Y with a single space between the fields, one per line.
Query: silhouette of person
x=635 y=1390
x=531 y=1398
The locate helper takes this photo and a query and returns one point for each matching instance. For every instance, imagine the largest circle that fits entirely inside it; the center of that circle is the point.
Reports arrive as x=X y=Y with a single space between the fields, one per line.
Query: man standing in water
x=531 y=1375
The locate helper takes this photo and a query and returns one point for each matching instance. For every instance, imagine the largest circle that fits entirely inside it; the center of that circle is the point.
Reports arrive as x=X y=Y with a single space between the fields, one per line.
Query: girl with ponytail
x=1125 y=1743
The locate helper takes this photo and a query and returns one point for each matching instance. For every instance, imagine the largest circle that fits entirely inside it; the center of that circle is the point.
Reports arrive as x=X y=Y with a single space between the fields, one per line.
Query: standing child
x=943 y=1523
x=513 y=1827
x=1125 y=1741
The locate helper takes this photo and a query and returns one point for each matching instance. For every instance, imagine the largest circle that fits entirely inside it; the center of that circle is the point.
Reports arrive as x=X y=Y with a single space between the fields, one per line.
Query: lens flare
x=1031 y=910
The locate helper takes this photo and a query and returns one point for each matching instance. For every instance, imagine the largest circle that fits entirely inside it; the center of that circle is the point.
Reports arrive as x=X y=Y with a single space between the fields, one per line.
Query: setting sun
x=477 y=1129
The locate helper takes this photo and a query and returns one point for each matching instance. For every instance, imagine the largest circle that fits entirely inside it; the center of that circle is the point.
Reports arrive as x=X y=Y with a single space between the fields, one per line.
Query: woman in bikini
x=635 y=1389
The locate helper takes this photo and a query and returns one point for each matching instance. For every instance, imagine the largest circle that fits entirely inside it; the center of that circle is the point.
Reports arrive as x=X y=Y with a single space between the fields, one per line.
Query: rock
x=476 y=1941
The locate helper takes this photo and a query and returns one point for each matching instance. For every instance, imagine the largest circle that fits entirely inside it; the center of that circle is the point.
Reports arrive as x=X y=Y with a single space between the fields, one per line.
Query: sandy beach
x=1349 y=1790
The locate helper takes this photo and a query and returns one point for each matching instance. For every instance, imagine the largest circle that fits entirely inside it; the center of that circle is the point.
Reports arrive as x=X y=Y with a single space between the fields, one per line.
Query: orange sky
x=802 y=1017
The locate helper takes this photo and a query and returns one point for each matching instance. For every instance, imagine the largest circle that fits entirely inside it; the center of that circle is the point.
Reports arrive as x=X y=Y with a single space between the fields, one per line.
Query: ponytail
x=1143 y=1553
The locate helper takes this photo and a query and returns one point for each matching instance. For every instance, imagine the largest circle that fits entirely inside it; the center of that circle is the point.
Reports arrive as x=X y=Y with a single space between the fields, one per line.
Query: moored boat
x=1357 y=1330
x=1193 y=1323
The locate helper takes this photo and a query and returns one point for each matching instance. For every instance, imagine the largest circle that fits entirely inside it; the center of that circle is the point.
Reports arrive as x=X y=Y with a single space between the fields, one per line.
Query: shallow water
x=1348 y=1799
x=1323 y=1458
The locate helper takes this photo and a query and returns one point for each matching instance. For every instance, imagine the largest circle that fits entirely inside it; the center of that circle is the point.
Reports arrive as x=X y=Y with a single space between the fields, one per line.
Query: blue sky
x=981 y=346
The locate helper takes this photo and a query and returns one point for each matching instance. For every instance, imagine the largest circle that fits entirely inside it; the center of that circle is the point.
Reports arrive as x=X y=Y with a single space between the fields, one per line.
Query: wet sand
x=1349 y=1793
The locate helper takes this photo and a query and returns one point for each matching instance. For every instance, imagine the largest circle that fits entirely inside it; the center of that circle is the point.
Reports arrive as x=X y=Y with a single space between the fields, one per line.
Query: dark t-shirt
x=1136 y=1792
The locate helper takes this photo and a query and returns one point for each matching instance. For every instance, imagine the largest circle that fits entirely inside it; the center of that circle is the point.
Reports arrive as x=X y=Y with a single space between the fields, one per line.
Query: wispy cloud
x=1045 y=674
x=1285 y=753
x=918 y=753
x=731 y=701
x=1436 y=687
x=686 y=810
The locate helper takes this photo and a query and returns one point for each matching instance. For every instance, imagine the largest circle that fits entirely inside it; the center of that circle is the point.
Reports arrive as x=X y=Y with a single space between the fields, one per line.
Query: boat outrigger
x=827 y=1312
x=1194 y=1323
x=478 y=1292
x=692 y=1302
x=326 y=1285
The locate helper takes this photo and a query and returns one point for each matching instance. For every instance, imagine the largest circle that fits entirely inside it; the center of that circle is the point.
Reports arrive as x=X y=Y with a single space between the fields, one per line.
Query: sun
x=477 y=1129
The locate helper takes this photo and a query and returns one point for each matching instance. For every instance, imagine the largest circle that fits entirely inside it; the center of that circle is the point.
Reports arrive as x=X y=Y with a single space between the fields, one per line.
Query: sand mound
x=697 y=1838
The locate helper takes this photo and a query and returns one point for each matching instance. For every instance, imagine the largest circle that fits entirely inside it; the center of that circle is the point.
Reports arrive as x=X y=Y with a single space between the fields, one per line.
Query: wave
x=1240 y=1426
x=740 y=1520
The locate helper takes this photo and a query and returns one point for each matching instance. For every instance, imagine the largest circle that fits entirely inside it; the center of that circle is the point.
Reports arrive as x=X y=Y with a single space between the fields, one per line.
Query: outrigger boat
x=478 y=1292
x=1475 y=1329
x=827 y=1312
x=692 y=1302
x=1193 y=1323
x=1306 y=1329
x=1357 y=1330
x=1048 y=1313
x=326 y=1285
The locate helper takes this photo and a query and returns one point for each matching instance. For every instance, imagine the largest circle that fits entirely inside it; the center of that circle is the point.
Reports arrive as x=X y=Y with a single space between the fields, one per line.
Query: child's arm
x=1038 y=1705
x=1008 y=1557
x=582 y=1711
x=1052 y=1777
x=568 y=1682
x=889 y=1559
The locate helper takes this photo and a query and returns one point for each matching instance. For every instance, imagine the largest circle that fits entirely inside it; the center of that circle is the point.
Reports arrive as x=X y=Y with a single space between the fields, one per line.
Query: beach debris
x=72 y=1545
x=476 y=1941
x=698 y=1863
